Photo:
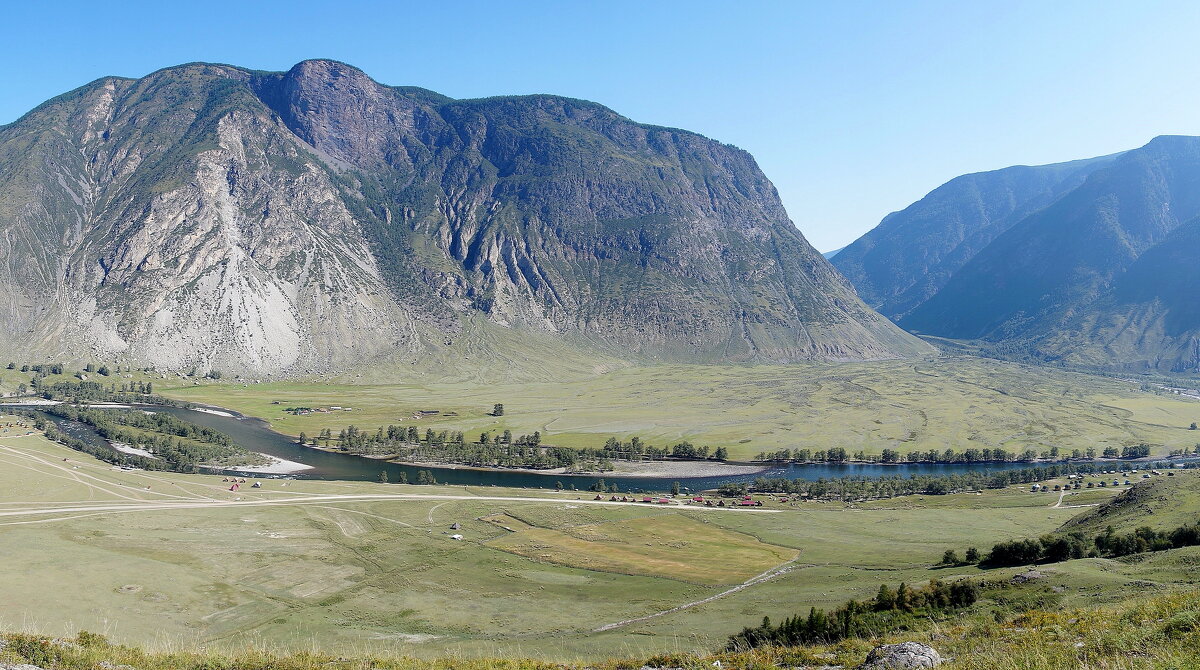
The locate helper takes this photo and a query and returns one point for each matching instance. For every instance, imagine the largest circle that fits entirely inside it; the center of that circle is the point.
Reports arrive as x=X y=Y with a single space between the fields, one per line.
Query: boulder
x=1027 y=576
x=902 y=656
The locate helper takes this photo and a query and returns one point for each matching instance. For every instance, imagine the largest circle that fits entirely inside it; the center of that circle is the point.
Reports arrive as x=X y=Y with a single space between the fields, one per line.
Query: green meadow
x=955 y=403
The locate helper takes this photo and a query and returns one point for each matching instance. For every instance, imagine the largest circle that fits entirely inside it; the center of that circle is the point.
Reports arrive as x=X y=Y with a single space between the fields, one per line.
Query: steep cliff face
x=212 y=217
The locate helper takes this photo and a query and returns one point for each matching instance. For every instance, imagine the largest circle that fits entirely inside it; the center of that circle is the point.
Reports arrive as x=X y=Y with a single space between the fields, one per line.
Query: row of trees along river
x=499 y=449
x=984 y=455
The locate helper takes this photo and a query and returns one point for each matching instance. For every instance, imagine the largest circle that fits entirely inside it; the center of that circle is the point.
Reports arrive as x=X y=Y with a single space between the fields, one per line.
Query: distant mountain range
x=1089 y=263
x=213 y=217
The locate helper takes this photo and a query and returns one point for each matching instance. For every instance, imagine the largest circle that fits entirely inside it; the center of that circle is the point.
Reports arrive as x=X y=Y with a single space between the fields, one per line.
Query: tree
x=675 y=487
x=383 y=477
x=558 y=486
x=103 y=370
x=721 y=454
x=938 y=487
x=498 y=409
x=950 y=557
x=425 y=477
x=12 y=366
x=403 y=478
x=1191 y=427
x=972 y=555
x=303 y=439
x=885 y=599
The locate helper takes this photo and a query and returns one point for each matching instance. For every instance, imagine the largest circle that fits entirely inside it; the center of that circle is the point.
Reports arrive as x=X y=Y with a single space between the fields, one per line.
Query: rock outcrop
x=902 y=656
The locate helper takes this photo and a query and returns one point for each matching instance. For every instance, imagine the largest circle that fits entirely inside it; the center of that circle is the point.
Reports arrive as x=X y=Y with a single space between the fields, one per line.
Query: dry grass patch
x=673 y=546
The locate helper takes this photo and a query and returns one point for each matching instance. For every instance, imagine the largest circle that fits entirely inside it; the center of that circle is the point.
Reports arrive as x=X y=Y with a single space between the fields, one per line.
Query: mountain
x=1101 y=273
x=831 y=254
x=912 y=253
x=212 y=217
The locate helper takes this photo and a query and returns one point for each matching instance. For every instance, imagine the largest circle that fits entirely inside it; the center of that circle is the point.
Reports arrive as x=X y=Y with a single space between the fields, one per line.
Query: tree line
x=860 y=487
x=83 y=392
x=499 y=449
x=889 y=611
x=1109 y=544
x=983 y=455
x=179 y=445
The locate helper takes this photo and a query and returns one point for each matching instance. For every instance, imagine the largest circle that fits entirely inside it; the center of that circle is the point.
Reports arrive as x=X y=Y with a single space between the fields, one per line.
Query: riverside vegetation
x=165 y=442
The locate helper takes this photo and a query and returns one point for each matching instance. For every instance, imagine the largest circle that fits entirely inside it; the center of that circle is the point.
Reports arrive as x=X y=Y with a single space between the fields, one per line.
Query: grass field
x=669 y=546
x=173 y=560
x=904 y=405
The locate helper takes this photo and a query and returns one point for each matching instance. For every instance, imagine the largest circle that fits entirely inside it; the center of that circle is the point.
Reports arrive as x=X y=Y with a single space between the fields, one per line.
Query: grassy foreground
x=953 y=403
x=1156 y=632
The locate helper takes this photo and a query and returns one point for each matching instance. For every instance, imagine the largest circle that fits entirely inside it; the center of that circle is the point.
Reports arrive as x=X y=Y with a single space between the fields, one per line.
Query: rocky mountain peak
x=213 y=217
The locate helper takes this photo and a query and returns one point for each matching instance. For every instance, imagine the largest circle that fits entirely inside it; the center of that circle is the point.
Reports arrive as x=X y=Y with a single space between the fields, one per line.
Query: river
x=256 y=435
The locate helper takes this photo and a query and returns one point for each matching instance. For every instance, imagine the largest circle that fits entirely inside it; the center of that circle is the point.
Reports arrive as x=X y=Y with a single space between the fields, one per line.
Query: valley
x=354 y=565
x=935 y=404
x=300 y=370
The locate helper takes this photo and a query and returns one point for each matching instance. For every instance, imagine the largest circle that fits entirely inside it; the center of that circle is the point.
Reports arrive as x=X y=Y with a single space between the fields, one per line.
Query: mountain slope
x=1094 y=278
x=911 y=254
x=214 y=217
x=1149 y=319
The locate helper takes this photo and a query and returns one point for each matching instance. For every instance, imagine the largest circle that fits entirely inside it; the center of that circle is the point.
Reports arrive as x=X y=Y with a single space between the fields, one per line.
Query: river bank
x=277 y=466
x=623 y=469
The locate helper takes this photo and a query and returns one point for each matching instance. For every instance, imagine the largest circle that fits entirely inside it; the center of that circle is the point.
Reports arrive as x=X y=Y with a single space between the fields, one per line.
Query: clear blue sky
x=853 y=109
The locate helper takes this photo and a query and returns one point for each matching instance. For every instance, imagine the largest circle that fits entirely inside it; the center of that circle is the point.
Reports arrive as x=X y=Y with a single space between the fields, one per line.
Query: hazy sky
x=853 y=109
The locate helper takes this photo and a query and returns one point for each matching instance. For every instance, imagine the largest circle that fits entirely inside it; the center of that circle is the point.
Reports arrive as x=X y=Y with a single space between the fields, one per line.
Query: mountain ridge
x=213 y=217
x=1064 y=282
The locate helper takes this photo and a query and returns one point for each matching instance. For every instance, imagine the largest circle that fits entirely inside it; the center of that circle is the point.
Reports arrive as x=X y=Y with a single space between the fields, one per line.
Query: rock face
x=901 y=657
x=1099 y=269
x=213 y=217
